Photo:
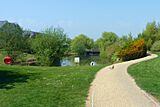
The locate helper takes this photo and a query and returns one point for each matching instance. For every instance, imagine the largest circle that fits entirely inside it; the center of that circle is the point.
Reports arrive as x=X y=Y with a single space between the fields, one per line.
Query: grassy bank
x=147 y=76
x=45 y=86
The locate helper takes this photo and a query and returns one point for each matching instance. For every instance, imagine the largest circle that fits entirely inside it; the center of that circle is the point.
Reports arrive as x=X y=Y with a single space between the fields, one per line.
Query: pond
x=67 y=62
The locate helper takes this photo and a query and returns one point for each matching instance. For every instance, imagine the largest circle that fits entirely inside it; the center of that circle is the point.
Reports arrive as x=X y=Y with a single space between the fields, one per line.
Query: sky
x=89 y=17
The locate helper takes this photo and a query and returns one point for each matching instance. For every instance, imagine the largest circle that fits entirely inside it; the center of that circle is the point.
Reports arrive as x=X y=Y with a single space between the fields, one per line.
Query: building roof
x=93 y=50
x=30 y=34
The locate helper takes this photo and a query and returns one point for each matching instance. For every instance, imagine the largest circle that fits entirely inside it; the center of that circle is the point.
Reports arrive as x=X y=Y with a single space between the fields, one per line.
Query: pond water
x=67 y=62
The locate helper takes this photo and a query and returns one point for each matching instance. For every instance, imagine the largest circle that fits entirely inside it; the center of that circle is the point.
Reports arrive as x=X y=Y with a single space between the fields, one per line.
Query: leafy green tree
x=11 y=39
x=158 y=33
x=111 y=52
x=156 y=46
x=11 y=36
x=107 y=39
x=125 y=41
x=150 y=34
x=81 y=43
x=50 y=46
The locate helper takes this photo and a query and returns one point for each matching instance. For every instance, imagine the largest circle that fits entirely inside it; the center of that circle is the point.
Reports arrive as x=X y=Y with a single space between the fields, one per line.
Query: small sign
x=77 y=60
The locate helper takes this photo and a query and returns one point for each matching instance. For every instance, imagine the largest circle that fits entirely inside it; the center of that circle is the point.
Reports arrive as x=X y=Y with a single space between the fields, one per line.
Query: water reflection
x=67 y=62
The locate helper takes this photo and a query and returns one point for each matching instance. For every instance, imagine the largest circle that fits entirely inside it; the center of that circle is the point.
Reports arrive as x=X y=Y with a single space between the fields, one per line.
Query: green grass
x=45 y=86
x=147 y=76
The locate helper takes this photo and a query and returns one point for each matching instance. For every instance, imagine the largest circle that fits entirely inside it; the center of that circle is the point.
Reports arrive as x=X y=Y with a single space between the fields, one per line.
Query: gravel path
x=115 y=88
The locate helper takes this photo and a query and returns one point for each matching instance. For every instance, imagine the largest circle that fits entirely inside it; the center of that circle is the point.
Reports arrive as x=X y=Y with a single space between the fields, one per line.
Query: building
x=30 y=34
x=92 y=52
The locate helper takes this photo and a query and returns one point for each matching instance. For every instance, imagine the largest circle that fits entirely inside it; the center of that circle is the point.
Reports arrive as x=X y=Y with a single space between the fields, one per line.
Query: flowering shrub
x=135 y=50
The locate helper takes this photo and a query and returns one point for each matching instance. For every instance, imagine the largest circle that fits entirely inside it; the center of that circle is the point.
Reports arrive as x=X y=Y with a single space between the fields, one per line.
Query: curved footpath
x=116 y=88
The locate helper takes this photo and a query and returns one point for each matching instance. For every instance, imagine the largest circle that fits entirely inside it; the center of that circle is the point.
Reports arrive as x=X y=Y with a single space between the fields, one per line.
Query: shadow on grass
x=8 y=78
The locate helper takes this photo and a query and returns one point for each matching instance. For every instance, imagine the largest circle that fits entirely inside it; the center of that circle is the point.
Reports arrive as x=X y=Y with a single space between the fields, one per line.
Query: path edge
x=149 y=96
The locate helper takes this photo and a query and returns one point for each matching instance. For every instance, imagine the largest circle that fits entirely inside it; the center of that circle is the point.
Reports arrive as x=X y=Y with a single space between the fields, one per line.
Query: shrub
x=103 y=57
x=135 y=50
x=50 y=46
x=156 y=46
x=111 y=52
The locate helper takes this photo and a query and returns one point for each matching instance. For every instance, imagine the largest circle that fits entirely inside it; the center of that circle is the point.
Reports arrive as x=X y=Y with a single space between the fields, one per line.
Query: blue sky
x=90 y=17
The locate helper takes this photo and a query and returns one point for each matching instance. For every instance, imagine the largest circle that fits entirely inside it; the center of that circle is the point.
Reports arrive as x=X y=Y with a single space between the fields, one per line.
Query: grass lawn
x=147 y=76
x=45 y=86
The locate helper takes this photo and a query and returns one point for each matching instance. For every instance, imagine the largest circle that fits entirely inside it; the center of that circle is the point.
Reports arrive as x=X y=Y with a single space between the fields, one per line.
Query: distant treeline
x=51 y=45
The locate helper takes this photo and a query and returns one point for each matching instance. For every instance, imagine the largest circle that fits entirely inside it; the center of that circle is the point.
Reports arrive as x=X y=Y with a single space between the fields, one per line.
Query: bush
x=156 y=46
x=136 y=50
x=111 y=52
x=103 y=57
x=50 y=47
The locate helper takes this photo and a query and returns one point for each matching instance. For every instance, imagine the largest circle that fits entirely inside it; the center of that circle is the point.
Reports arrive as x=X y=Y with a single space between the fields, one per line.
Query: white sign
x=76 y=59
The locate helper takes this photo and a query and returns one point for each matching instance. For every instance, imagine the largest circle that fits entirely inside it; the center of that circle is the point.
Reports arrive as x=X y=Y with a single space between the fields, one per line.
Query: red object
x=8 y=60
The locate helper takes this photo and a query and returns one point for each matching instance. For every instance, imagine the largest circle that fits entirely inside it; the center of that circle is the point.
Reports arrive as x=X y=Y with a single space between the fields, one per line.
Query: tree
x=80 y=43
x=150 y=34
x=107 y=39
x=50 y=46
x=125 y=40
x=156 y=46
x=11 y=39
x=111 y=52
